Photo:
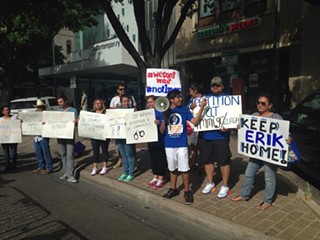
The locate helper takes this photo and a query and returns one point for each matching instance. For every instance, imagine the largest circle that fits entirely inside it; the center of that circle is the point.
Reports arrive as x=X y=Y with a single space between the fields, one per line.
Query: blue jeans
x=128 y=156
x=66 y=147
x=43 y=154
x=7 y=149
x=270 y=171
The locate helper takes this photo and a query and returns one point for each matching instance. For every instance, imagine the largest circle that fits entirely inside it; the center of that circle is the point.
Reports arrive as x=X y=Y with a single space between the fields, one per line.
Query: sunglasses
x=261 y=103
x=215 y=85
x=178 y=96
x=121 y=89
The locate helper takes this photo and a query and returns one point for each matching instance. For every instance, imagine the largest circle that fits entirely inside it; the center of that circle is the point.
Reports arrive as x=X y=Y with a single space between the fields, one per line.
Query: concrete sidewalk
x=290 y=217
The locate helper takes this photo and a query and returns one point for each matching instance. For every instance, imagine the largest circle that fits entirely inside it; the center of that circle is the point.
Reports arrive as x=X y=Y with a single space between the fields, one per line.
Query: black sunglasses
x=121 y=89
x=215 y=85
x=262 y=103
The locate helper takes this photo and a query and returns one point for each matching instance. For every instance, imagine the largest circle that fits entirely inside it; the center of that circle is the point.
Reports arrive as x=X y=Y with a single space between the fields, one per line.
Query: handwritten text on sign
x=140 y=127
x=58 y=124
x=264 y=139
x=31 y=123
x=91 y=125
x=115 y=123
x=161 y=81
x=10 y=131
x=221 y=111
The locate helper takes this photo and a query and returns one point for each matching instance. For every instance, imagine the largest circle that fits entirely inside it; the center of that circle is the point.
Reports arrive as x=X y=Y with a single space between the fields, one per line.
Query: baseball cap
x=216 y=81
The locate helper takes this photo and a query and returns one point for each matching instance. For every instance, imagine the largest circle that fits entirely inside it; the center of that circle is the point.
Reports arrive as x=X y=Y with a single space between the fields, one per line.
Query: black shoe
x=171 y=193
x=188 y=197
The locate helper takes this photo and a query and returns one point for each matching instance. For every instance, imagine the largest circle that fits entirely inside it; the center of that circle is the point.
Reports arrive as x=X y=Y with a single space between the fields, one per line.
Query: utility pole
x=275 y=78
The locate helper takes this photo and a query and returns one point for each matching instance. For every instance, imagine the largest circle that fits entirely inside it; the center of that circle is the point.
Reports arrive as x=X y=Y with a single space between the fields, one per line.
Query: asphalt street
x=38 y=206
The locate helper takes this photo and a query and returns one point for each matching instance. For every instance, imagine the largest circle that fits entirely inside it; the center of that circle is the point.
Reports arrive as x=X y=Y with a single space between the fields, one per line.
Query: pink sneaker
x=152 y=183
x=158 y=185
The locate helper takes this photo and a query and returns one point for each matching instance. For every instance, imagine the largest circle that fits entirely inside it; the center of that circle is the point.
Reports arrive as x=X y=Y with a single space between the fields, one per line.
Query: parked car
x=305 y=130
x=28 y=104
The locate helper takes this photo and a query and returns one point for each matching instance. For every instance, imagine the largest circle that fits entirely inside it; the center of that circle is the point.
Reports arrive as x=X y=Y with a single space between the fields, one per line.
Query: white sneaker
x=224 y=192
x=72 y=179
x=64 y=176
x=103 y=171
x=94 y=171
x=208 y=188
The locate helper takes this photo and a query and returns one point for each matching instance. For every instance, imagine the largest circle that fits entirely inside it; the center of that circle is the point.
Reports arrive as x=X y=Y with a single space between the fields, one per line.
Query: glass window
x=69 y=46
x=23 y=105
x=53 y=102
x=206 y=8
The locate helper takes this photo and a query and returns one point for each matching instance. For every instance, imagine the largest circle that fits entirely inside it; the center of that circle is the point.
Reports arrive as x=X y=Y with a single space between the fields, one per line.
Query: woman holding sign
x=156 y=150
x=9 y=147
x=99 y=107
x=127 y=150
x=264 y=106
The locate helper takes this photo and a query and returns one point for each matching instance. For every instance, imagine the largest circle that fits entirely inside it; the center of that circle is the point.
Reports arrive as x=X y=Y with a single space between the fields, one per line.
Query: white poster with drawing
x=31 y=123
x=115 y=123
x=58 y=124
x=140 y=127
x=10 y=131
x=91 y=125
x=220 y=112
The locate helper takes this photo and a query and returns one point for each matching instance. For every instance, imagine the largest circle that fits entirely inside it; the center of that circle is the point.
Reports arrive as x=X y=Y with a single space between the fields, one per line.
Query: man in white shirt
x=121 y=90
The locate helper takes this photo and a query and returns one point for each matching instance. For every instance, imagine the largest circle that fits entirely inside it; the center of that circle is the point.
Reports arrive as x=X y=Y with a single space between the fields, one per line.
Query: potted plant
x=308 y=194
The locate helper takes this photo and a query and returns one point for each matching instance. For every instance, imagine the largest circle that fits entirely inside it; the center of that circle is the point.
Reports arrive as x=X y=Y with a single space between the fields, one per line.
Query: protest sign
x=161 y=81
x=58 y=124
x=140 y=127
x=264 y=139
x=115 y=123
x=31 y=123
x=91 y=125
x=10 y=131
x=221 y=111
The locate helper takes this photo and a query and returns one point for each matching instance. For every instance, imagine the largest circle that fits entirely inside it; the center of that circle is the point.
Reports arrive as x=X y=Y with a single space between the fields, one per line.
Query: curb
x=237 y=231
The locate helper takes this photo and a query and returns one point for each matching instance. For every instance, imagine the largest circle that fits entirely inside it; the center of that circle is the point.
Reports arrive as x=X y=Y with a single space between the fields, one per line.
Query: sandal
x=237 y=199
x=264 y=206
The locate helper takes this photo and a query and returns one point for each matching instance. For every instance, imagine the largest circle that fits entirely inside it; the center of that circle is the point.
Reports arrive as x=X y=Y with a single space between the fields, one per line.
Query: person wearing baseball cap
x=215 y=148
x=42 y=148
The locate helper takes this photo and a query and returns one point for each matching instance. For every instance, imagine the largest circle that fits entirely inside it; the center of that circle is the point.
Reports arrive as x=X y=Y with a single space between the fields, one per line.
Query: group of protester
x=169 y=152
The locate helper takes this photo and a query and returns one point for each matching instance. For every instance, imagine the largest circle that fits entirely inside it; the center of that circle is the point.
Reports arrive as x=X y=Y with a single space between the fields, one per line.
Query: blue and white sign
x=264 y=139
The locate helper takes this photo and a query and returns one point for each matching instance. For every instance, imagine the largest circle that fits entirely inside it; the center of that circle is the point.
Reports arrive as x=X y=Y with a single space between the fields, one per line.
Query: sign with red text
x=161 y=81
x=264 y=138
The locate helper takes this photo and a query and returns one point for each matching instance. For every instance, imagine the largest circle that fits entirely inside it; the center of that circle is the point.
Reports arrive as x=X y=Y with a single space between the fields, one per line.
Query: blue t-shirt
x=176 y=132
x=216 y=134
x=70 y=109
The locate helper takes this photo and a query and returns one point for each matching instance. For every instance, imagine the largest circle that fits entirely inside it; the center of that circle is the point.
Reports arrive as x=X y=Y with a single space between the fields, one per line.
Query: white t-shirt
x=115 y=102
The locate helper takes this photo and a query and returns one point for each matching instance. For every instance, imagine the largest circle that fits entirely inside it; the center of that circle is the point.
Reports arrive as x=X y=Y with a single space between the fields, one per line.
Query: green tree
x=26 y=31
x=152 y=55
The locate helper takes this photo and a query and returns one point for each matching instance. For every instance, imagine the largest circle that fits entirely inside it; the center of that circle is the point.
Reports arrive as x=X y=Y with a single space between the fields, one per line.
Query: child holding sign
x=264 y=106
x=127 y=151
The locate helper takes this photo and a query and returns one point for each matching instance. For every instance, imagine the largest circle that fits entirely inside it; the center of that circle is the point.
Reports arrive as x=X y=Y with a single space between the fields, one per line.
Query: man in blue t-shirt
x=215 y=147
x=66 y=146
x=176 y=142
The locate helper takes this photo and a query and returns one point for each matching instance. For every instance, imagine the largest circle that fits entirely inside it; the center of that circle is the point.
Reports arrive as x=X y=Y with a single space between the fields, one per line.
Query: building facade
x=254 y=45
x=99 y=62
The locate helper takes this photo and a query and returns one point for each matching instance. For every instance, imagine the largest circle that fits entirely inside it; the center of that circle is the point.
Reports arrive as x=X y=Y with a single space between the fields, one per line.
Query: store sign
x=231 y=27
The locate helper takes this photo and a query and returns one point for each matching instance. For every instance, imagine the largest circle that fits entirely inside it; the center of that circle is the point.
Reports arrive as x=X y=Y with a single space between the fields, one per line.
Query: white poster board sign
x=220 y=112
x=140 y=127
x=10 y=131
x=31 y=123
x=91 y=125
x=264 y=139
x=115 y=125
x=58 y=124
x=161 y=81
